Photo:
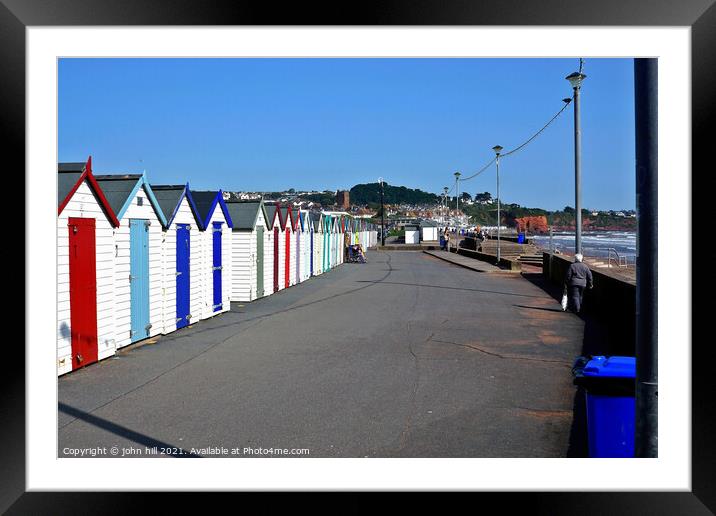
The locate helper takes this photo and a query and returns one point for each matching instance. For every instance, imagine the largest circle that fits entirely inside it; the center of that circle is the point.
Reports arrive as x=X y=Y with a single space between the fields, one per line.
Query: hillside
x=369 y=193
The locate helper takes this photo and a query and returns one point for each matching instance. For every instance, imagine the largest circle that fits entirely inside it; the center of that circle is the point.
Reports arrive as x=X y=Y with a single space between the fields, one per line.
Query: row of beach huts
x=137 y=260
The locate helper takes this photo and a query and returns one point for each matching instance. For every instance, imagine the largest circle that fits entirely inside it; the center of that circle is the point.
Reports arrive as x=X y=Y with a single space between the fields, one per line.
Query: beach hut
x=303 y=245
x=298 y=251
x=289 y=264
x=327 y=241
x=216 y=240
x=138 y=273
x=428 y=231
x=317 y=243
x=340 y=241
x=272 y=252
x=412 y=234
x=306 y=244
x=182 y=257
x=250 y=240
x=85 y=269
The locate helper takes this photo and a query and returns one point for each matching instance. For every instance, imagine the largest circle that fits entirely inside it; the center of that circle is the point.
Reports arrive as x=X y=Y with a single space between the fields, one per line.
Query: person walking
x=577 y=278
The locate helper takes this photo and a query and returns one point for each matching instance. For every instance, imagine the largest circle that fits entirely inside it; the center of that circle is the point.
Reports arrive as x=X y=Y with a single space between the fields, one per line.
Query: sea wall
x=612 y=301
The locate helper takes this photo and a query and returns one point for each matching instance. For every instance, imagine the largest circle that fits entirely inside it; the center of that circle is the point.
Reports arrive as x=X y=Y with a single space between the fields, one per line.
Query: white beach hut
x=217 y=242
x=317 y=229
x=306 y=245
x=273 y=228
x=138 y=273
x=250 y=240
x=182 y=257
x=289 y=230
x=85 y=269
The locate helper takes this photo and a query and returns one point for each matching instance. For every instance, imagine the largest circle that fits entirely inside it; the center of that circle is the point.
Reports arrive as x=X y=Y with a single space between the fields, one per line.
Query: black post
x=382 y=217
x=645 y=104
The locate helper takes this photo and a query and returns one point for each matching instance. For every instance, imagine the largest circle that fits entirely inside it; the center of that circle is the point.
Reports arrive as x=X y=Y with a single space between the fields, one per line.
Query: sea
x=595 y=244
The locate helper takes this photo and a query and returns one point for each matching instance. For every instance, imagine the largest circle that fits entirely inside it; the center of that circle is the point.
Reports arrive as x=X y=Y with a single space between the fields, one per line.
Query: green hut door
x=259 y=261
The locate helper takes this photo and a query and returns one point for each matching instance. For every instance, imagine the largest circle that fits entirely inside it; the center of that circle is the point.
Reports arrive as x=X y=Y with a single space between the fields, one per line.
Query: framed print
x=255 y=256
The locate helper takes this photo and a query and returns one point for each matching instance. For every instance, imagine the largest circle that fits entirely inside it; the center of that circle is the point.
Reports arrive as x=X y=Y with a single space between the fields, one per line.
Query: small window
x=140 y=201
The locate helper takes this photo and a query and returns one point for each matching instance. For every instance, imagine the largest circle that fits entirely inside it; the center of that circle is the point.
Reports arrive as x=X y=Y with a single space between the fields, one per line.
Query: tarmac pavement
x=405 y=356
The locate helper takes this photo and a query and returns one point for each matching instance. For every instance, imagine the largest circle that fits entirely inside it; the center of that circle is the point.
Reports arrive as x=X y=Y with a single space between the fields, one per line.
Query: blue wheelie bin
x=610 y=386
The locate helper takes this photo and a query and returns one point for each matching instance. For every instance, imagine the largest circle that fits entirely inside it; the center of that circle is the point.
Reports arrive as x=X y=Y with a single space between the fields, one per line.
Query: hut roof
x=69 y=178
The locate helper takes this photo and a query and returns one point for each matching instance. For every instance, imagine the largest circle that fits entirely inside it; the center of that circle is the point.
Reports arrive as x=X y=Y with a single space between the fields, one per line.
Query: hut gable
x=287 y=217
x=273 y=216
x=246 y=215
x=123 y=191
x=170 y=197
x=69 y=178
x=206 y=202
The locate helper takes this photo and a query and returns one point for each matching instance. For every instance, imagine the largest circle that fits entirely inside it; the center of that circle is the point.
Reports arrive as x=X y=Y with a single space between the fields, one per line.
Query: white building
x=85 y=269
x=138 y=273
x=182 y=258
x=217 y=257
x=251 y=241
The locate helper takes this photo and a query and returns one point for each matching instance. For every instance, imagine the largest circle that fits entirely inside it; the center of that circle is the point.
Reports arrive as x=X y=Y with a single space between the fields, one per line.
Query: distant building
x=343 y=199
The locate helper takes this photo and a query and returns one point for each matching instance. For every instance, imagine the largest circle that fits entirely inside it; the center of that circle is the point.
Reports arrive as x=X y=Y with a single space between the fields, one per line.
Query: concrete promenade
x=464 y=261
x=405 y=356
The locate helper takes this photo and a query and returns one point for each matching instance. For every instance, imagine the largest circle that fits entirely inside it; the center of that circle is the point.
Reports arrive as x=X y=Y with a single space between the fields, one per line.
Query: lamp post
x=575 y=79
x=382 y=214
x=445 y=190
x=457 y=190
x=498 y=149
x=457 y=200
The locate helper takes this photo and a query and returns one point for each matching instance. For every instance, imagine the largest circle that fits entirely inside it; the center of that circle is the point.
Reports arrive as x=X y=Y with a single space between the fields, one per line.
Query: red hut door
x=83 y=291
x=287 y=265
x=275 y=259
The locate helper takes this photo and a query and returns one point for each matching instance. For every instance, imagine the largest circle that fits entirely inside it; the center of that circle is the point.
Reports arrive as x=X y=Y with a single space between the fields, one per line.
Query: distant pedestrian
x=578 y=277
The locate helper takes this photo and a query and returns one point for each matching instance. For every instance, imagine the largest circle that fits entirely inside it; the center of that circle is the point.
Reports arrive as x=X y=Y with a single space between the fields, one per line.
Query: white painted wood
x=268 y=260
x=84 y=204
x=122 y=302
x=318 y=247
x=306 y=248
x=207 y=309
x=281 y=259
x=290 y=233
x=184 y=215
x=243 y=268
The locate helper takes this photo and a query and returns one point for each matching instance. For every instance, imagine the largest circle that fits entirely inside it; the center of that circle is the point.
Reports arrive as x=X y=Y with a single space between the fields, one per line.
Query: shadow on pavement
x=603 y=335
x=119 y=430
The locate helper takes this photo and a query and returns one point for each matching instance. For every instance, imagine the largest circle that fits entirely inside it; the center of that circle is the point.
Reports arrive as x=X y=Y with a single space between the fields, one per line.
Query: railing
x=621 y=261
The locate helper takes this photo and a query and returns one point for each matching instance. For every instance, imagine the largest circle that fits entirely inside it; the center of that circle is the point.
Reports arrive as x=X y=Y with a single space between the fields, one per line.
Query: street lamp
x=457 y=203
x=457 y=191
x=575 y=80
x=498 y=149
x=382 y=214
x=445 y=190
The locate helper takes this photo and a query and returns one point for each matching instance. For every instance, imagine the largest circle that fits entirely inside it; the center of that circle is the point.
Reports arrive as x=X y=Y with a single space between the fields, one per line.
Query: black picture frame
x=700 y=15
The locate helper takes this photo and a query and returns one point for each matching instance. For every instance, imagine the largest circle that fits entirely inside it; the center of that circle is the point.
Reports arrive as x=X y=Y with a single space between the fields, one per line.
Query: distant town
x=405 y=205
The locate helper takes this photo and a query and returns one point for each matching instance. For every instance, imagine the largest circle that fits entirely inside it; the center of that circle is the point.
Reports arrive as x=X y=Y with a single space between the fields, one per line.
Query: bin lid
x=613 y=367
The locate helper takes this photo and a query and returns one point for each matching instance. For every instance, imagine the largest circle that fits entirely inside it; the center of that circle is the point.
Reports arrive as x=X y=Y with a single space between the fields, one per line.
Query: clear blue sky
x=325 y=124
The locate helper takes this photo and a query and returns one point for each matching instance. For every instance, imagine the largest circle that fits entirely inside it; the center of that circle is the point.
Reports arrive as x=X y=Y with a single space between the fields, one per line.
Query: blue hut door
x=139 y=278
x=183 y=250
x=217 y=265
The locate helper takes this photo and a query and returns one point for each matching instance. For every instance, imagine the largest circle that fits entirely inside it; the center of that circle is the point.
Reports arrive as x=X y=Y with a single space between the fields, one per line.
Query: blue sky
x=325 y=124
